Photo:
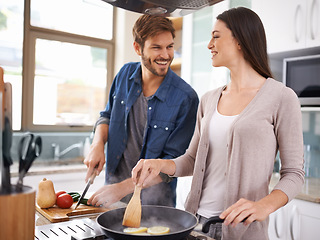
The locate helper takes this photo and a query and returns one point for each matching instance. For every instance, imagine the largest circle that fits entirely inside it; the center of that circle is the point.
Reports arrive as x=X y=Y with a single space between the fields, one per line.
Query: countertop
x=310 y=191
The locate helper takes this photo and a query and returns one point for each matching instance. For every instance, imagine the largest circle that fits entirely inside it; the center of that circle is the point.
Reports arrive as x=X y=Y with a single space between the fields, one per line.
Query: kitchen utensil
x=5 y=133
x=55 y=214
x=29 y=149
x=180 y=222
x=213 y=220
x=132 y=215
x=17 y=214
x=90 y=181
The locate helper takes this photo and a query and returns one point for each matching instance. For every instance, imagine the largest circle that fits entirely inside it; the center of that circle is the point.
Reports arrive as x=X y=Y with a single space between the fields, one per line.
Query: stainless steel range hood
x=172 y=8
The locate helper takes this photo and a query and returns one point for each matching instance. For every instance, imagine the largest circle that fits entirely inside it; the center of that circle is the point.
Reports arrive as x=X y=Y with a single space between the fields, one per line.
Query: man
x=151 y=113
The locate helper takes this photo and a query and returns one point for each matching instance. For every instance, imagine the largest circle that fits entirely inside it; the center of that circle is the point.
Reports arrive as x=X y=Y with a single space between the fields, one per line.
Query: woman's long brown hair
x=248 y=29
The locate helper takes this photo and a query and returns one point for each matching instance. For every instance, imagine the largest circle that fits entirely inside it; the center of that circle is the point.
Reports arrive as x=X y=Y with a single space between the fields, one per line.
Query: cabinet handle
x=297 y=31
x=313 y=19
x=276 y=225
x=294 y=212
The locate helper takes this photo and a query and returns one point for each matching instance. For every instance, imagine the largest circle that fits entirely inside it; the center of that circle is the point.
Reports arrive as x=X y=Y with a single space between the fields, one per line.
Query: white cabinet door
x=278 y=224
x=298 y=220
x=284 y=22
x=309 y=220
x=313 y=23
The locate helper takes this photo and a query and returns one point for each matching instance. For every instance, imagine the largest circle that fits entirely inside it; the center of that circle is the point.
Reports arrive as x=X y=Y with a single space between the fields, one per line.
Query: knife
x=90 y=181
x=5 y=132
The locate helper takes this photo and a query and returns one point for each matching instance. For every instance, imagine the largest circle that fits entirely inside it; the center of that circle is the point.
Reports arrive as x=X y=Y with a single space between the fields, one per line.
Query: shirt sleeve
x=101 y=120
x=179 y=139
x=288 y=129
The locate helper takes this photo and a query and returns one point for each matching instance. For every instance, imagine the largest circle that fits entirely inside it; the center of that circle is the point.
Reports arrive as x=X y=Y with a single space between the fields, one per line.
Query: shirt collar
x=162 y=91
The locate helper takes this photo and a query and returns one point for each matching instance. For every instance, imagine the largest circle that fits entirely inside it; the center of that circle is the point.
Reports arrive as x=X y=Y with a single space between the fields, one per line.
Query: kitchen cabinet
x=289 y=24
x=313 y=23
x=298 y=220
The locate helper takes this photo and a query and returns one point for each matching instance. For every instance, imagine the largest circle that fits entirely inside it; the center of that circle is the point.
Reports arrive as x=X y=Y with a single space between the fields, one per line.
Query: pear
x=46 y=196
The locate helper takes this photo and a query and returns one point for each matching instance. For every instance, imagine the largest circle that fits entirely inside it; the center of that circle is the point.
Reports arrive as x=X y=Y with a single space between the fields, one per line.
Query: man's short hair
x=149 y=25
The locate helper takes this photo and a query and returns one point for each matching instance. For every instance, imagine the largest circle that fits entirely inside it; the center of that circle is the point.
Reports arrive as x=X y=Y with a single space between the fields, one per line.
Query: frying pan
x=180 y=222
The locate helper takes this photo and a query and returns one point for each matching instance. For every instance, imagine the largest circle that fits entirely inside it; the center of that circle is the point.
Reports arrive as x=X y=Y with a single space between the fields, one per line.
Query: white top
x=213 y=191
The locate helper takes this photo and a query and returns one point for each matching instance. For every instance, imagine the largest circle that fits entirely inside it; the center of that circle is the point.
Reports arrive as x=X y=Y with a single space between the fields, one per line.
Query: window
x=67 y=62
x=11 y=40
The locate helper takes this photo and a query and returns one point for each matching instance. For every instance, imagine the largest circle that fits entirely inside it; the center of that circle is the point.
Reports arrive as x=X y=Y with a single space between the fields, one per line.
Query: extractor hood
x=169 y=8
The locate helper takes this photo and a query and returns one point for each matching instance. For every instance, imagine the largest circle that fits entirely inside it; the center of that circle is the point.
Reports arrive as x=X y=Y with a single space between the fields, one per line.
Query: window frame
x=31 y=34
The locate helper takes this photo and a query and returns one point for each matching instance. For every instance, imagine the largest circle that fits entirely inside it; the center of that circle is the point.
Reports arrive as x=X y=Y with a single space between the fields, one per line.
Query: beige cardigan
x=270 y=122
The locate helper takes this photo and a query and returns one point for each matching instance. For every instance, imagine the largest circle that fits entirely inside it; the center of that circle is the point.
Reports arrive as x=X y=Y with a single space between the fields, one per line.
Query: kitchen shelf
x=176 y=63
x=177 y=22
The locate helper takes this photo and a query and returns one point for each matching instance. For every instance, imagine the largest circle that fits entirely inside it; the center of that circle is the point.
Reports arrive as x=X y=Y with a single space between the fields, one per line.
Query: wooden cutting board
x=56 y=214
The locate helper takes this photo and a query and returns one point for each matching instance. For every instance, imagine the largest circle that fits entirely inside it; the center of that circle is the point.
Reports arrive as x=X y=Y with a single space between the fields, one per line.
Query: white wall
x=123 y=38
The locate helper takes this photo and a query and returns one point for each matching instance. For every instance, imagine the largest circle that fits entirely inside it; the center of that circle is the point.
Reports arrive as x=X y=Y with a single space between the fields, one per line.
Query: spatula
x=132 y=215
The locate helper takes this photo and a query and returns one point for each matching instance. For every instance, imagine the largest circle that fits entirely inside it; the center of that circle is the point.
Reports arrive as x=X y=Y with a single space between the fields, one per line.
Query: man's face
x=158 y=53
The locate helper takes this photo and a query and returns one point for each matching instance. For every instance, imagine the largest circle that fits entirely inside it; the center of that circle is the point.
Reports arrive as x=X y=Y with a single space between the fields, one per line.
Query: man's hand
x=109 y=194
x=96 y=157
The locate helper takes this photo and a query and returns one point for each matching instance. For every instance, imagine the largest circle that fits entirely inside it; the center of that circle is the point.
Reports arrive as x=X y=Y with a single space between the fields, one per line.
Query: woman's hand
x=147 y=170
x=244 y=209
x=253 y=211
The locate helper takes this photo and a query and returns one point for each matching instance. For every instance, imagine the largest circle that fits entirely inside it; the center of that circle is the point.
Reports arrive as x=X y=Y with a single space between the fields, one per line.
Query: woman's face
x=224 y=47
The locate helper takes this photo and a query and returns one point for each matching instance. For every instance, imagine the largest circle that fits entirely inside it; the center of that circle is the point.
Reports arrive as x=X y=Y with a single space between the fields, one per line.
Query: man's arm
x=96 y=155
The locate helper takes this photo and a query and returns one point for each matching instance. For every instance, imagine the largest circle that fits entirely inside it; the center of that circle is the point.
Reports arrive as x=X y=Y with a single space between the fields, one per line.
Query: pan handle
x=209 y=221
x=213 y=220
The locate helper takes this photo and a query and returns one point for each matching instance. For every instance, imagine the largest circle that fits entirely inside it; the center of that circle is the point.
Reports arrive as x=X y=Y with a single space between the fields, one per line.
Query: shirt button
x=114 y=97
x=122 y=102
x=150 y=108
x=155 y=126
x=166 y=128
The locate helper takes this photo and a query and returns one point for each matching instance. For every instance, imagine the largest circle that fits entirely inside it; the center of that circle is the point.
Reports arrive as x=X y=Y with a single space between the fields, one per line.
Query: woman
x=240 y=128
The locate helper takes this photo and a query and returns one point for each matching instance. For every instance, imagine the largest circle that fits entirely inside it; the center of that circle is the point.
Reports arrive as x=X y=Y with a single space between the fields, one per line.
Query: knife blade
x=90 y=181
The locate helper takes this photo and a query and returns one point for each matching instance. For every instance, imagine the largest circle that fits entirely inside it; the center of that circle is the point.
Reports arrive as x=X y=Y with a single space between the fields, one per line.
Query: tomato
x=64 y=201
x=59 y=193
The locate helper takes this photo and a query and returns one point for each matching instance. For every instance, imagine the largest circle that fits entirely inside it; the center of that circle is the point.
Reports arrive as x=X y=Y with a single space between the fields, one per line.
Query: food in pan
x=155 y=230
x=158 y=230
x=135 y=230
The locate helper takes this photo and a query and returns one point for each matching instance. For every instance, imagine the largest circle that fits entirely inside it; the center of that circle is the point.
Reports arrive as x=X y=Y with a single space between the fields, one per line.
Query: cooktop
x=83 y=229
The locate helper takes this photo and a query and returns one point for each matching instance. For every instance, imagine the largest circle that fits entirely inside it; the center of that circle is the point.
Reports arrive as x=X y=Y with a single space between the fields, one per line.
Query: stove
x=84 y=229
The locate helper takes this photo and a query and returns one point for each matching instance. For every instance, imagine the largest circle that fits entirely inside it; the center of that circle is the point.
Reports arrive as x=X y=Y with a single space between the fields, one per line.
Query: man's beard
x=147 y=63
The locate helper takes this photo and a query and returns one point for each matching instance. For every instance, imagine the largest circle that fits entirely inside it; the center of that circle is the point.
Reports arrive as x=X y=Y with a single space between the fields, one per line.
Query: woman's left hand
x=245 y=210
